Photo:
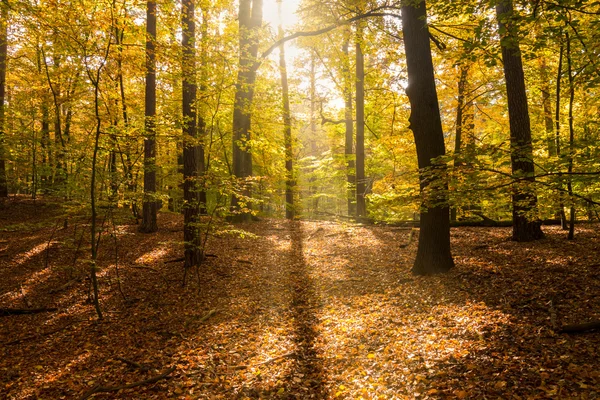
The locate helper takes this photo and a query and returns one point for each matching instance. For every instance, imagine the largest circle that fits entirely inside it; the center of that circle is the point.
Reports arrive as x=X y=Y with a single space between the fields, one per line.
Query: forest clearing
x=310 y=309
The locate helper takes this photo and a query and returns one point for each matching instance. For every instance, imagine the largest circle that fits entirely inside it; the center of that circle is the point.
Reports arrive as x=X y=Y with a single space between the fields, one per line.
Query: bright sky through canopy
x=288 y=13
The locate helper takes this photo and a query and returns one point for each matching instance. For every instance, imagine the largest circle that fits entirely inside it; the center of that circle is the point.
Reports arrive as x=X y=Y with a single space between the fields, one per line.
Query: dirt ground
x=293 y=310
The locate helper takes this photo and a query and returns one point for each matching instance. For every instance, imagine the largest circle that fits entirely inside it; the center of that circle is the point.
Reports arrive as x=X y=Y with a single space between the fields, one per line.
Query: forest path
x=297 y=310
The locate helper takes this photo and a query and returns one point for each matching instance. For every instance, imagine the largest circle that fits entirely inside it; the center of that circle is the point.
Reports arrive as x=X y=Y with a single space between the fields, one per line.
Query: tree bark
x=3 y=65
x=361 y=208
x=150 y=204
x=191 y=198
x=526 y=225
x=460 y=119
x=571 y=234
x=287 y=131
x=250 y=20
x=349 y=122
x=433 y=253
x=547 y=108
x=557 y=141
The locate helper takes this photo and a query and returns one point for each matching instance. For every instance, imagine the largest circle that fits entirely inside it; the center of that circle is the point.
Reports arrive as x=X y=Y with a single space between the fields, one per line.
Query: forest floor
x=298 y=310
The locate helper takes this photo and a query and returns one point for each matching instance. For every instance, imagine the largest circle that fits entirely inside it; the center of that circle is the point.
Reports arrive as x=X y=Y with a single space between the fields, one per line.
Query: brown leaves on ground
x=304 y=310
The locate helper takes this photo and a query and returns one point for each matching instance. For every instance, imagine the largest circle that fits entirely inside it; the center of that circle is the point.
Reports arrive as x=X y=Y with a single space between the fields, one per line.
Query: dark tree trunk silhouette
x=526 y=225
x=557 y=141
x=433 y=253
x=349 y=122
x=3 y=63
x=571 y=234
x=361 y=208
x=547 y=108
x=250 y=20
x=191 y=155
x=150 y=204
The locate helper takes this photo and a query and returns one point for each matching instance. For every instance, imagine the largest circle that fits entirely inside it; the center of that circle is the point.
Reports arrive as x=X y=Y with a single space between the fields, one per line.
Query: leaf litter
x=298 y=310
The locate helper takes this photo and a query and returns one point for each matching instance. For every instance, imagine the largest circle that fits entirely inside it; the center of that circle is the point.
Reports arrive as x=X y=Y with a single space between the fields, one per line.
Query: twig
x=208 y=315
x=581 y=328
x=24 y=296
x=47 y=255
x=132 y=363
x=107 y=389
x=66 y=285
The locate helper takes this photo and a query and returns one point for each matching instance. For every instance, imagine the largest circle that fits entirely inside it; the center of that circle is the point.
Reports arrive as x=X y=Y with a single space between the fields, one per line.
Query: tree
x=526 y=225
x=361 y=208
x=250 y=20
x=287 y=129
x=150 y=204
x=433 y=253
x=349 y=131
x=191 y=154
x=3 y=54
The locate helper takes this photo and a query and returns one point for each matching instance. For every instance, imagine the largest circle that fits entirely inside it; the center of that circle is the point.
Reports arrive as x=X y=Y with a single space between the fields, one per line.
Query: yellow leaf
x=371 y=356
x=281 y=391
x=461 y=394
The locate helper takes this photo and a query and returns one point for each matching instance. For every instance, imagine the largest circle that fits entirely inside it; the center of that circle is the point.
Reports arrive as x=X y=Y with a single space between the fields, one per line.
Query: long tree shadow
x=306 y=378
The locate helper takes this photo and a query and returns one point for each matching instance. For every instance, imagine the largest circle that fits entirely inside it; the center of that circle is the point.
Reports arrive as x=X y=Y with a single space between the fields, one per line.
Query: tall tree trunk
x=287 y=130
x=201 y=126
x=547 y=108
x=250 y=20
x=571 y=234
x=526 y=225
x=361 y=208
x=433 y=253
x=150 y=205
x=191 y=207
x=460 y=120
x=126 y=160
x=3 y=54
x=349 y=123
x=313 y=181
x=561 y=205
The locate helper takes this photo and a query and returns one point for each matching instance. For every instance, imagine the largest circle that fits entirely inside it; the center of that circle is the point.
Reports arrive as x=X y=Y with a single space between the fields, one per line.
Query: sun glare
x=288 y=13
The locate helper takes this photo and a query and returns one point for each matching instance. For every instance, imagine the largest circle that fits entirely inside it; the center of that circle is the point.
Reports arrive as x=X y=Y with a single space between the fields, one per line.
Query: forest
x=299 y=199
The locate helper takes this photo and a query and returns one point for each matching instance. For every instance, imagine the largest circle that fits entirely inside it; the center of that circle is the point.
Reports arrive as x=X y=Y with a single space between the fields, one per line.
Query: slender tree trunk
x=460 y=119
x=349 y=122
x=433 y=253
x=126 y=160
x=150 y=205
x=191 y=207
x=526 y=225
x=3 y=65
x=313 y=182
x=361 y=208
x=547 y=108
x=561 y=205
x=571 y=234
x=287 y=130
x=201 y=127
x=250 y=20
